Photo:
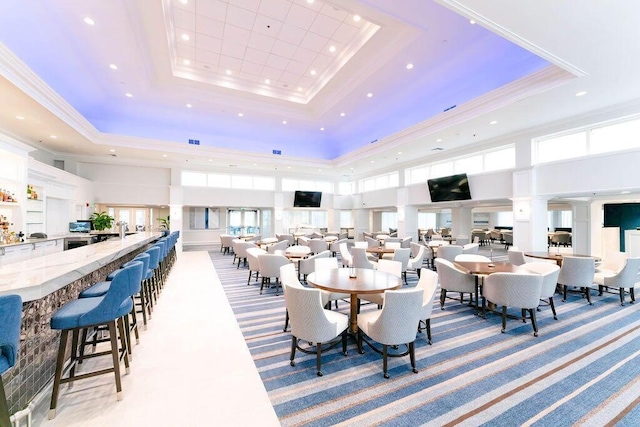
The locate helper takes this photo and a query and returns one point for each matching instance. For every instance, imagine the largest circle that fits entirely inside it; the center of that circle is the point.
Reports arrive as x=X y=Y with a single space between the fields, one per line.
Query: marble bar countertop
x=34 y=278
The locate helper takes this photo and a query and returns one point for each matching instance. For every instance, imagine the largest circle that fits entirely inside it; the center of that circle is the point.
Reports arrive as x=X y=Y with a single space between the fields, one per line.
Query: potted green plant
x=101 y=220
x=165 y=221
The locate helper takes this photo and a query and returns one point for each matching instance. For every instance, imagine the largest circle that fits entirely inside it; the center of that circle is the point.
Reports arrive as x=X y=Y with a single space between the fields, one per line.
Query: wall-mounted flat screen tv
x=80 y=227
x=307 y=199
x=449 y=188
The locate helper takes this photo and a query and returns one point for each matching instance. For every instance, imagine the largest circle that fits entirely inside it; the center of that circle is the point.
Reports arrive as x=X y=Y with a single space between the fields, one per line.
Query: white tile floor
x=191 y=368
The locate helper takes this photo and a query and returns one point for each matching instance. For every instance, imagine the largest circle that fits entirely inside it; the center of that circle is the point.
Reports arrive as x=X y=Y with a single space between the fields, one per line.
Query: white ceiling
x=75 y=96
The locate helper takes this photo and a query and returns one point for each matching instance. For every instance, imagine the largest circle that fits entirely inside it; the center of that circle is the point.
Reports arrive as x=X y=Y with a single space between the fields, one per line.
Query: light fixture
x=89 y=21
x=186 y=62
x=493 y=122
x=284 y=122
x=211 y=160
x=184 y=1
x=472 y=22
x=321 y=128
x=332 y=49
x=240 y=114
x=128 y=95
x=342 y=114
x=267 y=81
x=299 y=89
x=439 y=140
x=228 y=72
x=369 y=95
x=310 y=1
x=113 y=66
x=53 y=137
x=373 y=161
x=399 y=152
x=164 y=155
x=189 y=105
x=581 y=93
x=20 y=117
x=409 y=66
x=356 y=18
x=288 y=167
x=313 y=72
x=625 y=192
x=112 y=151
x=185 y=37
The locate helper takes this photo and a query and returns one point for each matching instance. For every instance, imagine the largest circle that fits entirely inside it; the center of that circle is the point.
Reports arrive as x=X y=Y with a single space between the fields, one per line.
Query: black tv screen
x=449 y=188
x=80 y=227
x=307 y=199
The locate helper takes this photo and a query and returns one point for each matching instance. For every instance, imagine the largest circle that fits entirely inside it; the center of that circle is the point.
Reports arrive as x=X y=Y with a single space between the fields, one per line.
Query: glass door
x=243 y=222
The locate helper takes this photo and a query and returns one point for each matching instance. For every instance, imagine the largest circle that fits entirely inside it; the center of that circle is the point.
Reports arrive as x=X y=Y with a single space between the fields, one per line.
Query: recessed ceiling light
x=113 y=66
x=472 y=22
x=369 y=95
x=53 y=136
x=342 y=114
x=373 y=161
x=493 y=122
x=89 y=21
x=228 y=72
x=284 y=122
x=267 y=81
x=332 y=49
x=189 y=105
x=399 y=152
x=184 y=1
x=288 y=167
x=321 y=128
x=625 y=192
x=439 y=140
x=310 y=1
x=112 y=151
x=128 y=95
x=20 y=117
x=313 y=72
x=185 y=37
x=356 y=18
x=409 y=66
x=299 y=89
x=581 y=93
x=164 y=155
x=186 y=62
x=319 y=170
x=240 y=114
x=211 y=160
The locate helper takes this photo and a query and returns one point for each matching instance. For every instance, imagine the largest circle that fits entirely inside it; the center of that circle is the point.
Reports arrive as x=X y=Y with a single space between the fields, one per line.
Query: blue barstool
x=10 y=319
x=90 y=312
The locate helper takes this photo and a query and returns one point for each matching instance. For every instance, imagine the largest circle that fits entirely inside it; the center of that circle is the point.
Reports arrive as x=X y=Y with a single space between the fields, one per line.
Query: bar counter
x=45 y=284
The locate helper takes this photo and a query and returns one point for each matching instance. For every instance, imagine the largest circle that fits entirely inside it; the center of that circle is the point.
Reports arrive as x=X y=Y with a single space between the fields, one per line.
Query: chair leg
x=344 y=342
x=294 y=341
x=564 y=295
x=412 y=356
x=504 y=318
x=319 y=358
x=62 y=348
x=587 y=291
x=115 y=358
x=534 y=323
x=384 y=361
x=524 y=315
x=553 y=308
x=622 y=296
x=5 y=420
x=428 y=328
x=632 y=295
x=123 y=342
x=360 y=349
x=286 y=321
x=74 y=354
x=443 y=295
x=249 y=279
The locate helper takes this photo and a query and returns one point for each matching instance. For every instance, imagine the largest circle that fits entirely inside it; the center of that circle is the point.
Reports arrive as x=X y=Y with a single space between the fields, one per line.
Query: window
x=487 y=161
x=562 y=147
x=304 y=218
x=221 y=180
x=389 y=220
x=346 y=219
x=346 y=188
x=504 y=219
x=427 y=220
x=620 y=136
x=380 y=181
x=305 y=185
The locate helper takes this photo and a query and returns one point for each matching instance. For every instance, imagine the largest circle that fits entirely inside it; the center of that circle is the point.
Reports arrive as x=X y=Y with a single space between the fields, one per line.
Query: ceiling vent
x=277 y=152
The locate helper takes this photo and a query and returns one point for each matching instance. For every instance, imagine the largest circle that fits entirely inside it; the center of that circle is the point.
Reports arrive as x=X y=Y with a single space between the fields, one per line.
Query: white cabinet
x=16 y=253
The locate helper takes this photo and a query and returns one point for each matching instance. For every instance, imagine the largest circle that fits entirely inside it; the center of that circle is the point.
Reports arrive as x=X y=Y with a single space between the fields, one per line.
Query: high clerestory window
x=219 y=180
x=487 y=161
x=380 y=182
x=623 y=134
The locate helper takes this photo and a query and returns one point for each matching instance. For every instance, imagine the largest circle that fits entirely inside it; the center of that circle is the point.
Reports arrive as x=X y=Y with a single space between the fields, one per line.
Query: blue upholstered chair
x=89 y=312
x=10 y=317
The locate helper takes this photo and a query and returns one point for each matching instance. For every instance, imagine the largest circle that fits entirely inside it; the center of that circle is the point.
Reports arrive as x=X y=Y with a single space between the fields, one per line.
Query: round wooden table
x=555 y=256
x=367 y=281
x=380 y=250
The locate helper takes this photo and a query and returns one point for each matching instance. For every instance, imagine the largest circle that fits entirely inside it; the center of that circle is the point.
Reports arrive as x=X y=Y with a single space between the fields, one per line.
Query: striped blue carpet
x=583 y=369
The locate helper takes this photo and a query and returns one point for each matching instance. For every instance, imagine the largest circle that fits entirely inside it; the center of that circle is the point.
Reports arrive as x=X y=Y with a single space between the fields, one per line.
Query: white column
x=175 y=211
x=580 y=233
x=529 y=213
x=461 y=221
x=278 y=204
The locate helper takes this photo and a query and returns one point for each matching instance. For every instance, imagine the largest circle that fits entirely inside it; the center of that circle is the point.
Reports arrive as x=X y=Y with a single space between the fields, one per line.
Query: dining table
x=556 y=256
x=480 y=269
x=380 y=251
x=354 y=281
